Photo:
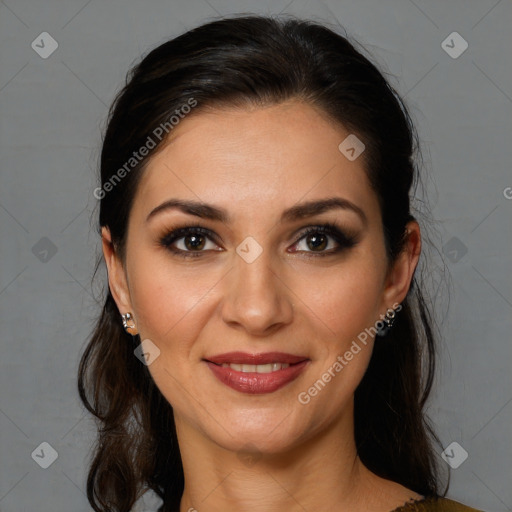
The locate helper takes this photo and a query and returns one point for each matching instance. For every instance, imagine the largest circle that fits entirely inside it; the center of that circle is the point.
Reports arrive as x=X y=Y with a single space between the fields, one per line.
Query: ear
x=398 y=280
x=116 y=276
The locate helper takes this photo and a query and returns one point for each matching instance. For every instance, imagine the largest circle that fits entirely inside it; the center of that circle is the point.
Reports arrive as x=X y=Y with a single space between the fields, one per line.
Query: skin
x=255 y=163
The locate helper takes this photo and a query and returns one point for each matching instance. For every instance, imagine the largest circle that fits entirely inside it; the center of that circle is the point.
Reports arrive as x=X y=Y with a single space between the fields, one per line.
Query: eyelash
x=176 y=234
x=344 y=240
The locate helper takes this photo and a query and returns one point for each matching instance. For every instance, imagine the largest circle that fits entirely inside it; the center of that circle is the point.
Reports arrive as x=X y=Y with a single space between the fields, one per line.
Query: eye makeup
x=323 y=239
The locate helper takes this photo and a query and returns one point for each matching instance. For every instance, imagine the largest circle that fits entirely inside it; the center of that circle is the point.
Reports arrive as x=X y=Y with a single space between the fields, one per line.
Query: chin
x=271 y=434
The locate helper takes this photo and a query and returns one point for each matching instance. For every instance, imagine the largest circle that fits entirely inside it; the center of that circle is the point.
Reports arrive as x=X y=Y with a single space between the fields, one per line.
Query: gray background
x=52 y=113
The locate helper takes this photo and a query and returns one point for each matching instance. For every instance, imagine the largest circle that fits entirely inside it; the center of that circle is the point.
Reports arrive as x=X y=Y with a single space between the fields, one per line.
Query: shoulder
x=435 y=505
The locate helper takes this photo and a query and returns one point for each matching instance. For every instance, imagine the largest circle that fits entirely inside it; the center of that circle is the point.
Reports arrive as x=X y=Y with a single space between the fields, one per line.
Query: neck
x=320 y=473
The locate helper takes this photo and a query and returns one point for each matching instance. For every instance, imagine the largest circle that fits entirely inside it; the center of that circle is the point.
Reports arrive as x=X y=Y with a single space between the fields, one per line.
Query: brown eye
x=194 y=242
x=190 y=241
x=324 y=240
x=317 y=241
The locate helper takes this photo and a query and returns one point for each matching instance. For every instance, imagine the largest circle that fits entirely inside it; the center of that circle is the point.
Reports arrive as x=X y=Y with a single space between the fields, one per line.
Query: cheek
x=344 y=300
x=168 y=299
x=173 y=305
x=341 y=310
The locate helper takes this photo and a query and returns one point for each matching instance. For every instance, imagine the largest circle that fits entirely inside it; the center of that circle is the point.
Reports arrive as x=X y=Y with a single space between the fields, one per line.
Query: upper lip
x=262 y=358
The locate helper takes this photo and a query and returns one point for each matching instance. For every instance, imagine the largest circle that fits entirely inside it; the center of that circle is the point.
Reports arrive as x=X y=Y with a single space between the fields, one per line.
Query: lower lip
x=256 y=383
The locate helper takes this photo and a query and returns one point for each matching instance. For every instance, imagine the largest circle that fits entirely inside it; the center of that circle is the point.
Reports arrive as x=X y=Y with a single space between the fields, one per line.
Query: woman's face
x=254 y=240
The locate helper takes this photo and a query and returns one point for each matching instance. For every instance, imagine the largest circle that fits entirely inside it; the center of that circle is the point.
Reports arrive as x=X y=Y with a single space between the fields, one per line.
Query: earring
x=389 y=319
x=129 y=324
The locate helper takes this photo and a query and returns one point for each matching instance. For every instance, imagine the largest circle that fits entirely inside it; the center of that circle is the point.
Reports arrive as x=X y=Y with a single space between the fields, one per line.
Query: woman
x=264 y=337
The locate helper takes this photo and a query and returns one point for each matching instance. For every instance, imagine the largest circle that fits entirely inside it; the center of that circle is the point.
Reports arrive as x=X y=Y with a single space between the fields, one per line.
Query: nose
x=256 y=298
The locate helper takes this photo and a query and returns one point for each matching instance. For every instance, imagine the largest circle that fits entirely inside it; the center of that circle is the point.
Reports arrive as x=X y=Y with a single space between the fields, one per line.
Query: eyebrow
x=300 y=211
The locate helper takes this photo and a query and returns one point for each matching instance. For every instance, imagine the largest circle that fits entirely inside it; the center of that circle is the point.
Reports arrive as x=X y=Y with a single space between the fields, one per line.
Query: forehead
x=255 y=159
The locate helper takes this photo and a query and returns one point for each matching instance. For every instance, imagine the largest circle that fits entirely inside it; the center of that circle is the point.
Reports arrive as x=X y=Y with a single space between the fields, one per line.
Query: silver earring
x=128 y=322
x=389 y=320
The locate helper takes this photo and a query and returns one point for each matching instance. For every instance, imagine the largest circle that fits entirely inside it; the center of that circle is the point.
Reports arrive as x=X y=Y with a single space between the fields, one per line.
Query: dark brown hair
x=257 y=61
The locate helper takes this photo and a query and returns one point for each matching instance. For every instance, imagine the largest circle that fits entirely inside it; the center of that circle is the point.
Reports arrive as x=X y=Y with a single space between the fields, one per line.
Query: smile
x=256 y=368
x=256 y=373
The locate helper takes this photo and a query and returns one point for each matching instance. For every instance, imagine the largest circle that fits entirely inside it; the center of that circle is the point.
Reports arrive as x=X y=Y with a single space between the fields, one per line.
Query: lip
x=256 y=383
x=262 y=358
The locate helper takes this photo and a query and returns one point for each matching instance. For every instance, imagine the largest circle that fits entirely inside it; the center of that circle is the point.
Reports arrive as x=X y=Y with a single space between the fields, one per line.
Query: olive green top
x=435 y=505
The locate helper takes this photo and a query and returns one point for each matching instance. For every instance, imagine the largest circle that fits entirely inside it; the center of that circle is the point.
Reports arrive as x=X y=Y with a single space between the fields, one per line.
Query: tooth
x=256 y=368
x=265 y=368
